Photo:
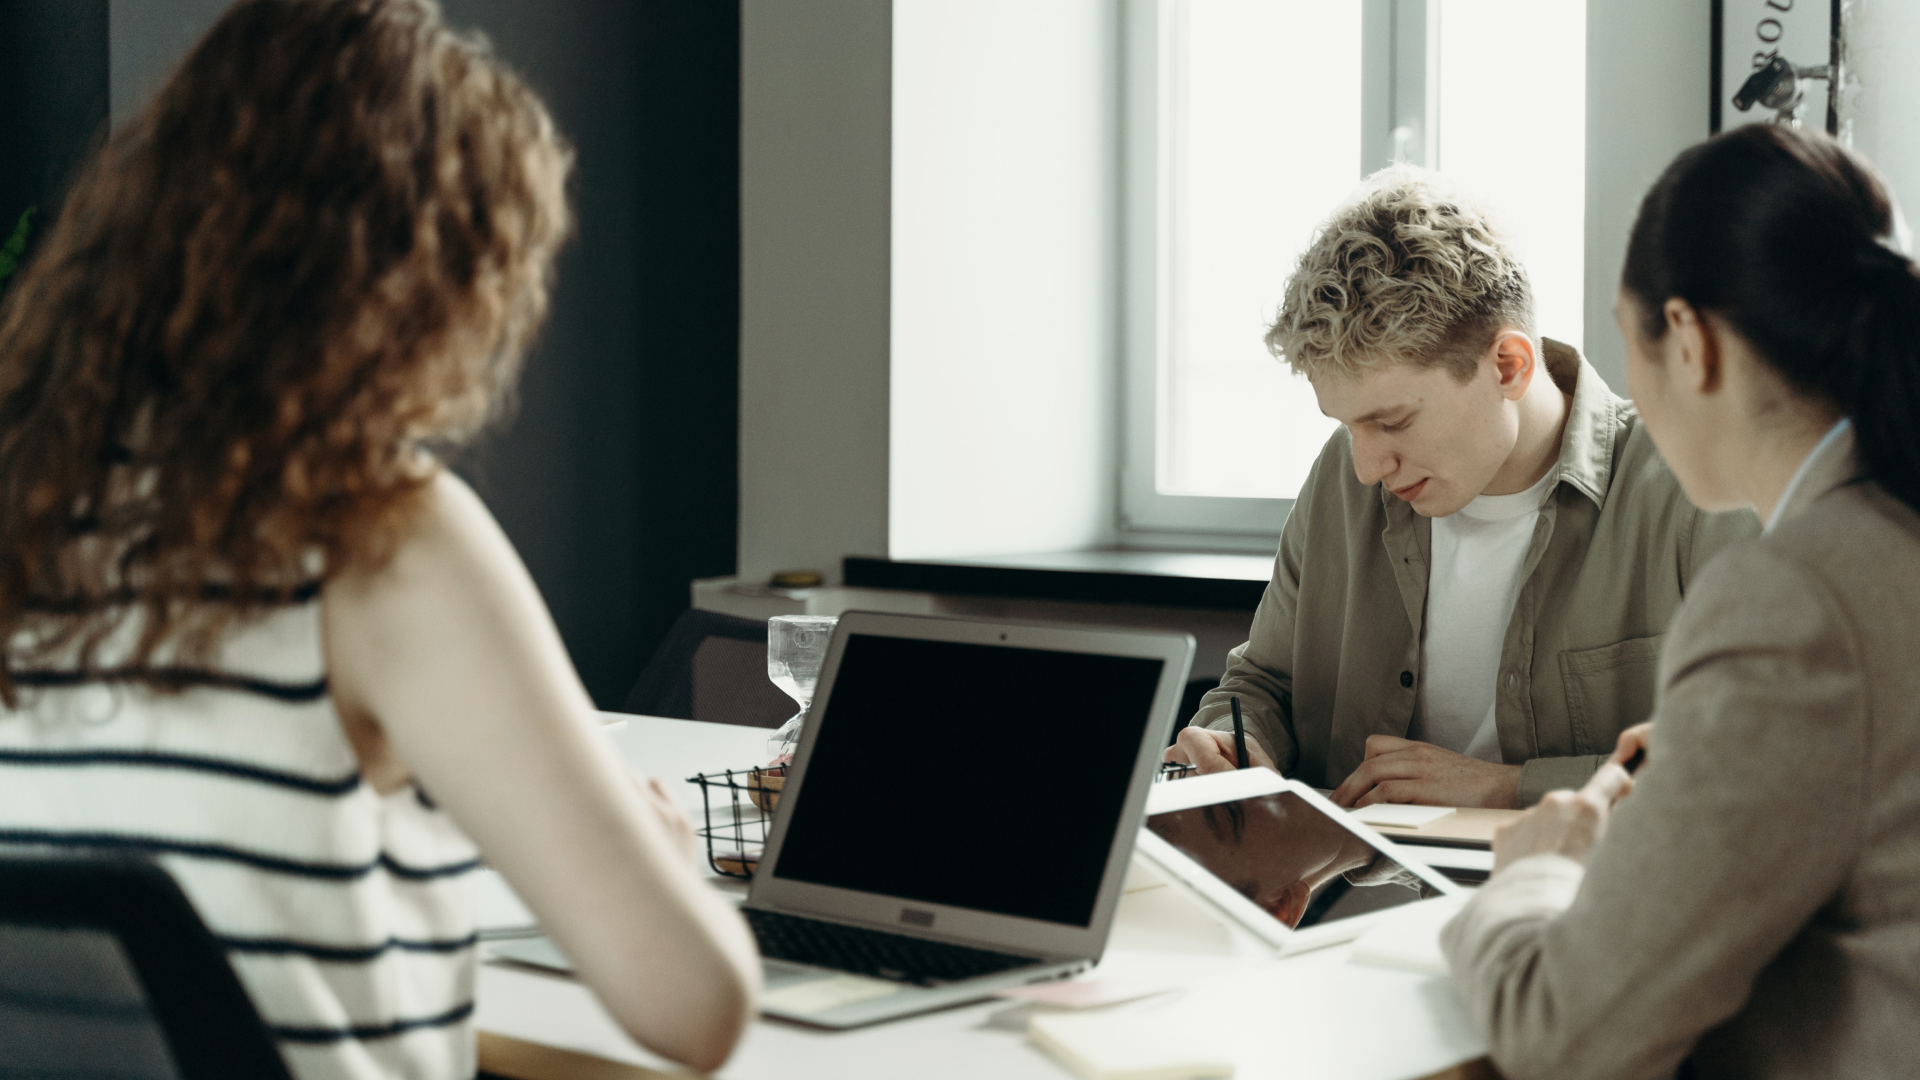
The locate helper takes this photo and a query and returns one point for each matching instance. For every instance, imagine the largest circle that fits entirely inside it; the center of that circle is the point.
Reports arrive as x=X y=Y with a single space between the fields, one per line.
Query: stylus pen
x=1239 y=736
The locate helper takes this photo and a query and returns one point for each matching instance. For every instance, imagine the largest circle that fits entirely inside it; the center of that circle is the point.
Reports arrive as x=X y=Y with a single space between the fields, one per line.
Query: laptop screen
x=975 y=776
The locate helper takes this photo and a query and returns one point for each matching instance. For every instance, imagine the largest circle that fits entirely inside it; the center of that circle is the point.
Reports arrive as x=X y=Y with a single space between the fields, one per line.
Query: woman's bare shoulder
x=450 y=517
x=451 y=595
x=449 y=536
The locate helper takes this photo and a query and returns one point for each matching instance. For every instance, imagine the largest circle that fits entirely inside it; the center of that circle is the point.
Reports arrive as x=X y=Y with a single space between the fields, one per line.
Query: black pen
x=1239 y=736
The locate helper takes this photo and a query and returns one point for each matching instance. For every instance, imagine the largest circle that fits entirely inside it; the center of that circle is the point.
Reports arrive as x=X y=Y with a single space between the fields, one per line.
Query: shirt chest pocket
x=1609 y=689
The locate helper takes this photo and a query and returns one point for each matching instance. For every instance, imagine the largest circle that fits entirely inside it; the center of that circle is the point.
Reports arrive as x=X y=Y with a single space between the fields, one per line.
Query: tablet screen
x=1290 y=859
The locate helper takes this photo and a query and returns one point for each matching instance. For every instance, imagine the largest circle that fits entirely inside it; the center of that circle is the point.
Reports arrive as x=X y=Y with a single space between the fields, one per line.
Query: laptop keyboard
x=873 y=952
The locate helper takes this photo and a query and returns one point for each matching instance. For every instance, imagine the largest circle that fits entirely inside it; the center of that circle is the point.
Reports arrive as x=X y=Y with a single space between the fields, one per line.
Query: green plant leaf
x=16 y=244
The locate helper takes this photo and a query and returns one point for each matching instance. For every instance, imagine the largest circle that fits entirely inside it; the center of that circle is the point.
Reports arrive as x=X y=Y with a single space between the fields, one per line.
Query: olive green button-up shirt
x=1334 y=651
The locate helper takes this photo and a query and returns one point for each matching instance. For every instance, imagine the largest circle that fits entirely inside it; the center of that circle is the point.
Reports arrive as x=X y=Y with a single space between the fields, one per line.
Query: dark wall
x=616 y=477
x=53 y=101
x=689 y=289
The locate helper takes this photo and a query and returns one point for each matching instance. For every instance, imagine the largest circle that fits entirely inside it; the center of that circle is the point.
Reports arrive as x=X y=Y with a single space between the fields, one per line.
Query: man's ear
x=1694 y=345
x=1517 y=361
x=1291 y=906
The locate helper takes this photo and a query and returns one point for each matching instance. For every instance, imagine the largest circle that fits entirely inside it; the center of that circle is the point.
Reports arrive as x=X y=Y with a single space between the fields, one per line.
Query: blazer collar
x=1830 y=464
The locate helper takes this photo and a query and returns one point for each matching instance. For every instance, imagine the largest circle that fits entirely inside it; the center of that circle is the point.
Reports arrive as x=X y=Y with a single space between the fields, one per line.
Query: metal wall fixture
x=1777 y=86
x=1755 y=44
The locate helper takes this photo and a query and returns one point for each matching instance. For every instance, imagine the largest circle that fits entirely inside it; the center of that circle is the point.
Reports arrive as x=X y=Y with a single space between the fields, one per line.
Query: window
x=1246 y=122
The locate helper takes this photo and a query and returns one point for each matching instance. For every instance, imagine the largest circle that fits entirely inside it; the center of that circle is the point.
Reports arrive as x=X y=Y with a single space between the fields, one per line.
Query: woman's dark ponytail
x=1789 y=237
x=1881 y=391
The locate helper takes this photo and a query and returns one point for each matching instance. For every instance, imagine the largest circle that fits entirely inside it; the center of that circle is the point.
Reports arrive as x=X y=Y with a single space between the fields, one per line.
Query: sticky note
x=1087 y=993
x=1400 y=815
x=821 y=995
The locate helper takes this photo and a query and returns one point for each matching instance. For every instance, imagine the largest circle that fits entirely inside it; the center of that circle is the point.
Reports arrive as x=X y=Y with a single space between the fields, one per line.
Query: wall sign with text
x=1785 y=55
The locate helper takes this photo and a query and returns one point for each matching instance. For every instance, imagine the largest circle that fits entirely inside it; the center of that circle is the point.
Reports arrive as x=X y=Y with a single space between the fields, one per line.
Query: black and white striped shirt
x=348 y=916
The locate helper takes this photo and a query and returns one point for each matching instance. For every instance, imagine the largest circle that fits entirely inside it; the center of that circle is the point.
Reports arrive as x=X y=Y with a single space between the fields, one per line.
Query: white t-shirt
x=1478 y=554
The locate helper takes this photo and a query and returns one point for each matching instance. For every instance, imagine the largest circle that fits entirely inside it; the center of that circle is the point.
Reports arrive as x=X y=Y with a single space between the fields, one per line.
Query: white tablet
x=1279 y=858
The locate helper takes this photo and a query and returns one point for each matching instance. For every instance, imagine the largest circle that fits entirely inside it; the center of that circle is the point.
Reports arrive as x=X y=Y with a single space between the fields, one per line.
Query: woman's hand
x=1635 y=742
x=1565 y=823
x=673 y=821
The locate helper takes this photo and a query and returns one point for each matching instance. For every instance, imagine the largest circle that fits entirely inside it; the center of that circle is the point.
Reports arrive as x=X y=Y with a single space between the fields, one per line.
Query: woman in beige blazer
x=1753 y=909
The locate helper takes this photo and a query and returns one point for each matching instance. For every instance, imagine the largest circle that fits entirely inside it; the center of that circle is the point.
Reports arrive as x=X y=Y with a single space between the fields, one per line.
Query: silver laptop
x=960 y=813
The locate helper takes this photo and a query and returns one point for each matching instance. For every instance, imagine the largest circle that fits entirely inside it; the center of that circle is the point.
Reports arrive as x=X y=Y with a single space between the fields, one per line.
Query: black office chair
x=107 y=972
x=712 y=667
x=1189 y=705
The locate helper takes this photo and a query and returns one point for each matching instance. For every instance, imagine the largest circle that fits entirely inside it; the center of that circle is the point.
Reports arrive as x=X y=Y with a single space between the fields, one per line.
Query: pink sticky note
x=1086 y=993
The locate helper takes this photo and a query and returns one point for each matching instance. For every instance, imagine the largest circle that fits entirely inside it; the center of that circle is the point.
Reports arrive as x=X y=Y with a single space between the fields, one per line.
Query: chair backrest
x=107 y=971
x=712 y=667
x=1189 y=705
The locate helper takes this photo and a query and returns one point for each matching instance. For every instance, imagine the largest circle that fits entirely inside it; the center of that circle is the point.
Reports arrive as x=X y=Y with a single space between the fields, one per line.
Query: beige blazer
x=1334 y=651
x=1755 y=903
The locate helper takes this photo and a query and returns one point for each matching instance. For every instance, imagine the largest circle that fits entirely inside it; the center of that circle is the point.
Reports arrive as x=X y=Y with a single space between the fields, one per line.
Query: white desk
x=1316 y=1015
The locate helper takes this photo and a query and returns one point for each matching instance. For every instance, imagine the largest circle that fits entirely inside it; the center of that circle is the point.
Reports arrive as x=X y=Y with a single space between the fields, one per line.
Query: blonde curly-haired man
x=1469 y=596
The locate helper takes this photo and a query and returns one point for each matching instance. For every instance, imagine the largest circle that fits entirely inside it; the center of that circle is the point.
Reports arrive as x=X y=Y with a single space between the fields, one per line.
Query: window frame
x=1398 y=116
x=1147 y=517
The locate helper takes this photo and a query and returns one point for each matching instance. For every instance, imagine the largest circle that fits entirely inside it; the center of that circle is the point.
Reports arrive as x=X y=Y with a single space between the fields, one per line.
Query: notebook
x=1120 y=1046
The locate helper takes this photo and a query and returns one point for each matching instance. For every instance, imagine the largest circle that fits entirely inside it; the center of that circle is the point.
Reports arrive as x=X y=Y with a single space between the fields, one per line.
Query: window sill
x=1180 y=579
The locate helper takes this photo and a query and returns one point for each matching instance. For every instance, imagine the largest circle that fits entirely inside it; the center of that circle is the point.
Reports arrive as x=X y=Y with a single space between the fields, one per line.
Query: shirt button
x=1406 y=678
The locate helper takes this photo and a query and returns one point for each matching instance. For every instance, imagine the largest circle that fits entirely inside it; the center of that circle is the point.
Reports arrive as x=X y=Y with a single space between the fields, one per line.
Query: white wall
x=1880 y=102
x=815 y=86
x=929 y=260
x=1648 y=94
x=928 y=325
x=1005 y=261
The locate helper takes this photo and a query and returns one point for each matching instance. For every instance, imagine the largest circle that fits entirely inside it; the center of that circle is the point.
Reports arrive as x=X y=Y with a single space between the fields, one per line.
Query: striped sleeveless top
x=348 y=916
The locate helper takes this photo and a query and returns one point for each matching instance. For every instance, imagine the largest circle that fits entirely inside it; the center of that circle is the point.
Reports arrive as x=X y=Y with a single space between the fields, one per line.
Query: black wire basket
x=738 y=805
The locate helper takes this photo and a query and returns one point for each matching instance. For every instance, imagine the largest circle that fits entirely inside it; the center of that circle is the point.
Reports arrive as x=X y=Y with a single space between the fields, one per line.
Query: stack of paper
x=1126 y=1046
x=1409 y=939
x=1400 y=815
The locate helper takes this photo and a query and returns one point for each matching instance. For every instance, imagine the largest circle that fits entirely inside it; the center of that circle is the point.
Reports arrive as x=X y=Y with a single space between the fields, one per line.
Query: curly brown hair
x=322 y=247
x=1410 y=271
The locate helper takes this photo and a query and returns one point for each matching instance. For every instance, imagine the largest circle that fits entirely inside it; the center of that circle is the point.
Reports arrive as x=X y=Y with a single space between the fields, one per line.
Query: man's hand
x=1212 y=751
x=1404 y=771
x=1566 y=823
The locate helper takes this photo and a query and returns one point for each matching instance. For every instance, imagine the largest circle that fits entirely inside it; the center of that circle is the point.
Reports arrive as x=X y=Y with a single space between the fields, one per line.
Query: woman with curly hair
x=254 y=629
